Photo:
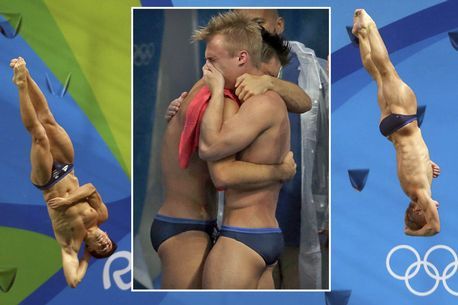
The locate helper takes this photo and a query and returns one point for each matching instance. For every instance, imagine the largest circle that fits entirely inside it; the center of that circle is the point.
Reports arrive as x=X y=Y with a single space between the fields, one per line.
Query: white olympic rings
x=143 y=53
x=429 y=268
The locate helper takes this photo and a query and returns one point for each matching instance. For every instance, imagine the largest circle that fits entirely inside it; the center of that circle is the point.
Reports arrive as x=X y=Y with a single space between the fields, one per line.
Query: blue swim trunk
x=58 y=172
x=267 y=242
x=164 y=227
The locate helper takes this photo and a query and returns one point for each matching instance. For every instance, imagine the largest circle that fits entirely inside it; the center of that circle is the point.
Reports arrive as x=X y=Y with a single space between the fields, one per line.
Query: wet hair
x=274 y=45
x=239 y=31
x=412 y=220
x=96 y=254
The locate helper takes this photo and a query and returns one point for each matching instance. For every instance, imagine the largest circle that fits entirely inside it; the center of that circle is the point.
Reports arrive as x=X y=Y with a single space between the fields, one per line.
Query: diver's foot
x=361 y=22
x=20 y=72
x=14 y=61
x=436 y=169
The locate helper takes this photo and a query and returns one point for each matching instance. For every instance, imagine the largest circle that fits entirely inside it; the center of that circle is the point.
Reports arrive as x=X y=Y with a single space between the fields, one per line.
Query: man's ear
x=279 y=25
x=243 y=57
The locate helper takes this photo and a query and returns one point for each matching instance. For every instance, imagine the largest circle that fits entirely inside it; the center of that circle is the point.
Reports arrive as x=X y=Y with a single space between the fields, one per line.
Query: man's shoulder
x=270 y=100
x=230 y=104
x=199 y=84
x=191 y=95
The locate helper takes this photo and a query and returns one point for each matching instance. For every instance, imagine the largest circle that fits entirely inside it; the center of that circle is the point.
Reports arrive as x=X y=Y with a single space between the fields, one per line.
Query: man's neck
x=91 y=230
x=254 y=71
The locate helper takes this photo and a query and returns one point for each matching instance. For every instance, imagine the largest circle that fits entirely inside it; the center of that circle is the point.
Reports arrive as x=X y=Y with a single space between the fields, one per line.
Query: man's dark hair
x=95 y=254
x=412 y=220
x=274 y=45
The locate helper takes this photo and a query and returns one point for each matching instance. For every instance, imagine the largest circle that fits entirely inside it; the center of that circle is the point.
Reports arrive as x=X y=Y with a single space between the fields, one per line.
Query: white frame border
x=132 y=149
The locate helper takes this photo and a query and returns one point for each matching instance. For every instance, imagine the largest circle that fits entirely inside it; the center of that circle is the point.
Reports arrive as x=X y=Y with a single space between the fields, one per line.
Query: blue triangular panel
x=10 y=24
x=420 y=114
x=51 y=84
x=65 y=86
x=337 y=297
x=453 y=39
x=358 y=178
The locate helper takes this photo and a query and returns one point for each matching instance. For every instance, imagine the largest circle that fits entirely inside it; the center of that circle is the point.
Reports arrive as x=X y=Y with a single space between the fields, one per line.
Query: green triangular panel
x=7 y=276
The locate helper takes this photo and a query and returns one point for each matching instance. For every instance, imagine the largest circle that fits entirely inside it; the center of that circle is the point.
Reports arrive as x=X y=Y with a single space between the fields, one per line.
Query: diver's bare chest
x=75 y=218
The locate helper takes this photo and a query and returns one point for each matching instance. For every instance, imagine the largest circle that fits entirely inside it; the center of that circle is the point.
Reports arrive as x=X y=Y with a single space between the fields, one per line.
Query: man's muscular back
x=189 y=193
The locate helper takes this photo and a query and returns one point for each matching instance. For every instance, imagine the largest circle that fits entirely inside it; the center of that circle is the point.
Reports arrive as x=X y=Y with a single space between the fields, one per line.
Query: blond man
x=250 y=240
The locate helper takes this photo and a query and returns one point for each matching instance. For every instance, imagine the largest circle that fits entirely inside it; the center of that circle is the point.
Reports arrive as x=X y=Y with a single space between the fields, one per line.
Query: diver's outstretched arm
x=74 y=269
x=429 y=207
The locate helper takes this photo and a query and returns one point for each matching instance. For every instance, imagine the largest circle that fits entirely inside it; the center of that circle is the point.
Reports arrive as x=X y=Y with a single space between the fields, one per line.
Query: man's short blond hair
x=239 y=31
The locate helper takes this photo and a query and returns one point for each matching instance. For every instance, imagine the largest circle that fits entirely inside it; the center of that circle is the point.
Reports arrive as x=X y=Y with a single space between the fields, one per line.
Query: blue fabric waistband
x=59 y=171
x=251 y=230
x=183 y=220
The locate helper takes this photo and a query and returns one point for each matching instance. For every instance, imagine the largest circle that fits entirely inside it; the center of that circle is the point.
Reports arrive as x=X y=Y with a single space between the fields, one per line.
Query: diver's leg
x=232 y=265
x=366 y=58
x=182 y=260
x=40 y=155
x=398 y=96
x=378 y=51
x=365 y=50
x=267 y=281
x=60 y=144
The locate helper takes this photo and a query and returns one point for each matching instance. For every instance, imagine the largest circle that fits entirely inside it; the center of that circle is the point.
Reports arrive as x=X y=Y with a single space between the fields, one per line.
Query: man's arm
x=174 y=106
x=74 y=270
x=296 y=99
x=230 y=173
x=219 y=140
x=239 y=174
x=428 y=229
x=74 y=197
x=95 y=201
x=429 y=207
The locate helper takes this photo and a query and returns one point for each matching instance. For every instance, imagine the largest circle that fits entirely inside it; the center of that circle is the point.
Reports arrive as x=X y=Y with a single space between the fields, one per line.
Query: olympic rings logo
x=429 y=268
x=143 y=53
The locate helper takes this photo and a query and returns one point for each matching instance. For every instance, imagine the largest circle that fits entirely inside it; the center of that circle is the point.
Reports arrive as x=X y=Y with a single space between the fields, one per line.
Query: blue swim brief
x=164 y=227
x=267 y=242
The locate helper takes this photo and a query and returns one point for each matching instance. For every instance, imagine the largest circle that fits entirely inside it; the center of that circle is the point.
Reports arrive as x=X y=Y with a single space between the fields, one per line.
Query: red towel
x=189 y=140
